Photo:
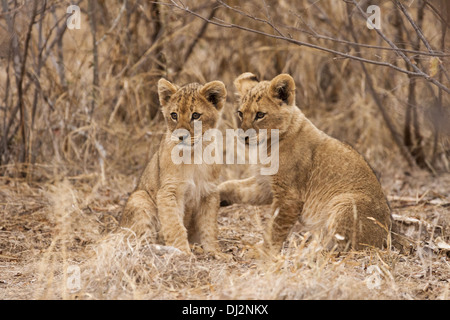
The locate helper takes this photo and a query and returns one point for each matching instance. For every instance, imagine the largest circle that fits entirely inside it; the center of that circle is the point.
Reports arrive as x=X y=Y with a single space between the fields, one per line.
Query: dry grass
x=63 y=211
x=45 y=230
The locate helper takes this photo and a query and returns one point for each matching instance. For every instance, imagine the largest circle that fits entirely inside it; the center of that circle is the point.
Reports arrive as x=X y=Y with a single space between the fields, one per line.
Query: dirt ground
x=60 y=241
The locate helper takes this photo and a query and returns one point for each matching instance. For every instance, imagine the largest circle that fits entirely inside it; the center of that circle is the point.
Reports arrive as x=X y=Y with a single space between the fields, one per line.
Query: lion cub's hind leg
x=140 y=215
x=355 y=223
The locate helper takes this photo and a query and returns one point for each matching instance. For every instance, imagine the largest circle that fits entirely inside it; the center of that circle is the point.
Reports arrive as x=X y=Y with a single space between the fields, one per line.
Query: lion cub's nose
x=182 y=137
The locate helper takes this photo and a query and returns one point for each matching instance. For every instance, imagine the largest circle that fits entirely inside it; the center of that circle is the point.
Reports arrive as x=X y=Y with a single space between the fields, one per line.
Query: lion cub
x=321 y=182
x=175 y=204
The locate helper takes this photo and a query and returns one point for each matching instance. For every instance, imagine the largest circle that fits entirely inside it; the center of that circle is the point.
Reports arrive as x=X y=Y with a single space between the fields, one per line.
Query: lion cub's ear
x=215 y=93
x=282 y=87
x=245 y=82
x=165 y=91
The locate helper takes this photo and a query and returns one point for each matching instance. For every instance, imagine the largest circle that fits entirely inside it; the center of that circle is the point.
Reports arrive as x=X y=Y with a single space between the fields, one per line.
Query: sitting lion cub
x=175 y=204
x=321 y=182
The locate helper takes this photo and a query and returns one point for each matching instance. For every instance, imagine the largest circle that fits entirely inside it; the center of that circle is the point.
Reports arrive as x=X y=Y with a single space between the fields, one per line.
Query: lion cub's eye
x=239 y=113
x=174 y=116
x=260 y=115
x=195 y=116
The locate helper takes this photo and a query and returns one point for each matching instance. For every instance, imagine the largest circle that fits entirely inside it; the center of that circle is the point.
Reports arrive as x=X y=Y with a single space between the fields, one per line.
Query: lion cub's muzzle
x=184 y=137
x=251 y=139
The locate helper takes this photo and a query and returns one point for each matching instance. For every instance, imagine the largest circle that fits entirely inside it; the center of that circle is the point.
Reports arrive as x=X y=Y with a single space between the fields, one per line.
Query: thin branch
x=224 y=24
x=420 y=34
x=23 y=115
x=437 y=13
x=3 y=139
x=59 y=52
x=95 y=79
x=195 y=41
x=61 y=30
x=402 y=55
x=379 y=104
x=115 y=22
x=314 y=34
x=253 y=17
x=438 y=121
x=39 y=65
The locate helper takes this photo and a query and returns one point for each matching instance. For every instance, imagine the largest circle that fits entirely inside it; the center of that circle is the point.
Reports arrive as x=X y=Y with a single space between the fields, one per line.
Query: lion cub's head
x=191 y=105
x=265 y=104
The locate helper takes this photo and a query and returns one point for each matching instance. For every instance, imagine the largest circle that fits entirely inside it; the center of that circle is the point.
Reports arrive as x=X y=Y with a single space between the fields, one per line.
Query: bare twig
x=93 y=23
x=440 y=94
x=438 y=14
x=158 y=30
x=59 y=50
x=39 y=64
x=115 y=22
x=195 y=41
x=412 y=142
x=387 y=120
x=419 y=32
x=20 y=77
x=265 y=21
x=417 y=72
x=316 y=35
x=3 y=140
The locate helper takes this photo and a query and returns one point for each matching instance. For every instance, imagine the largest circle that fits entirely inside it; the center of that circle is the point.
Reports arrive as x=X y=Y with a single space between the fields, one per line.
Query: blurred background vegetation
x=82 y=102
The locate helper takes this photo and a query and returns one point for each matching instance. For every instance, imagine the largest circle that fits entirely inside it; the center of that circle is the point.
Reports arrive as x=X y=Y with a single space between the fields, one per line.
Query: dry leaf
x=434 y=66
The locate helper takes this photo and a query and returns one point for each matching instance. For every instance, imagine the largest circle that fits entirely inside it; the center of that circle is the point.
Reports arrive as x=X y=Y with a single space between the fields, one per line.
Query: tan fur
x=177 y=203
x=321 y=182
